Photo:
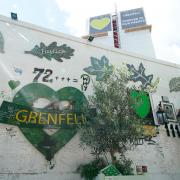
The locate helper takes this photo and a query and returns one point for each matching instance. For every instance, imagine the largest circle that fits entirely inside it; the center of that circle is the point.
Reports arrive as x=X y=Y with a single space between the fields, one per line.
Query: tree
x=116 y=127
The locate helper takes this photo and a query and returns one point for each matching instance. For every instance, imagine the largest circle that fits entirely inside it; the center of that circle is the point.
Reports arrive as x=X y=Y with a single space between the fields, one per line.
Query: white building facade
x=38 y=65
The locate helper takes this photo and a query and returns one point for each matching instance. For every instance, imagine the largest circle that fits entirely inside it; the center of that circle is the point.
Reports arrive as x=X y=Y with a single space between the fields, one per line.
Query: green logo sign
x=100 y=24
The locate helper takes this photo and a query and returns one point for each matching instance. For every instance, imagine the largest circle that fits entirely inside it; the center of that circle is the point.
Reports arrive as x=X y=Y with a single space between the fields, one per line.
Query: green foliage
x=116 y=127
x=124 y=166
x=90 y=171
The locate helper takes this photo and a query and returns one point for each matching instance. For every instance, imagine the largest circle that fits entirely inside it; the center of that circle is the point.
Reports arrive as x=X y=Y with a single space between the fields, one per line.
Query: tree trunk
x=113 y=158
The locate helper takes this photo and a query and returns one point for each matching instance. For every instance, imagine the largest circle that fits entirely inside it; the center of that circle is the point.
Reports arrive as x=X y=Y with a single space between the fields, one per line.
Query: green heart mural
x=48 y=145
x=13 y=84
x=100 y=24
x=141 y=103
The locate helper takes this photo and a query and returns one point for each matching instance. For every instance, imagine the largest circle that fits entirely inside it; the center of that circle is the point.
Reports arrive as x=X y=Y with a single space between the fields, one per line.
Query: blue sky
x=71 y=17
x=44 y=13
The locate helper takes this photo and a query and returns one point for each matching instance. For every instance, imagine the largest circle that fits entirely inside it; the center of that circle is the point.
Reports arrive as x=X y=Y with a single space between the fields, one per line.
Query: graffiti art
x=52 y=51
x=139 y=75
x=22 y=109
x=99 y=68
x=174 y=84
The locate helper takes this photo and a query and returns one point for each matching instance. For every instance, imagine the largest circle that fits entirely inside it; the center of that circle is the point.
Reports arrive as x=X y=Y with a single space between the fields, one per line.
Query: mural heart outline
x=48 y=145
x=100 y=24
x=141 y=103
x=13 y=84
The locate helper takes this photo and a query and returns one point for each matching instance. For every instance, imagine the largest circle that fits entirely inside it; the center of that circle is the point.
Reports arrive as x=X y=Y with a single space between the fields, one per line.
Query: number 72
x=47 y=72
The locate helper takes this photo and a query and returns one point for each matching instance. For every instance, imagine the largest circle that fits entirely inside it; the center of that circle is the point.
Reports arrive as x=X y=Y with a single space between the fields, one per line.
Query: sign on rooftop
x=132 y=18
x=100 y=24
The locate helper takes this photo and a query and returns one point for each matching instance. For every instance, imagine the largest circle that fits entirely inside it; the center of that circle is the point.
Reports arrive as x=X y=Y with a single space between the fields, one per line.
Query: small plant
x=90 y=171
x=124 y=167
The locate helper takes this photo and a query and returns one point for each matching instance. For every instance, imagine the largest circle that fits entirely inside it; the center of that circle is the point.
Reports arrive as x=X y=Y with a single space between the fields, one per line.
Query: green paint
x=52 y=51
x=13 y=84
x=110 y=171
x=100 y=24
x=15 y=114
x=46 y=144
x=141 y=103
x=1 y=43
x=100 y=68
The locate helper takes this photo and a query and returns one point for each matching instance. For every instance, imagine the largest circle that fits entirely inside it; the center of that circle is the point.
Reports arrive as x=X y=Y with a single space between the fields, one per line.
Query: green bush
x=124 y=167
x=90 y=171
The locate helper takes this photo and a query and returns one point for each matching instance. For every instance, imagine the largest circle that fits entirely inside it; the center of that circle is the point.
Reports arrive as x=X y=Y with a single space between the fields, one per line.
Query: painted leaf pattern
x=99 y=68
x=53 y=51
x=139 y=75
x=1 y=43
x=174 y=84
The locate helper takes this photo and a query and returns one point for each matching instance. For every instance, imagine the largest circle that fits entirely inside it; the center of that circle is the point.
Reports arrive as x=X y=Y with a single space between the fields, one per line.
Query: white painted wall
x=162 y=159
x=19 y=159
x=139 y=42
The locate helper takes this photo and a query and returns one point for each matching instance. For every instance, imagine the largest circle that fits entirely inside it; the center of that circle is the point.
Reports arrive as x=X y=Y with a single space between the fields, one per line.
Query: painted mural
x=174 y=84
x=148 y=83
x=141 y=100
x=46 y=101
x=86 y=81
x=48 y=76
x=52 y=51
x=139 y=75
x=32 y=121
x=99 y=68
x=18 y=71
x=13 y=84
x=142 y=106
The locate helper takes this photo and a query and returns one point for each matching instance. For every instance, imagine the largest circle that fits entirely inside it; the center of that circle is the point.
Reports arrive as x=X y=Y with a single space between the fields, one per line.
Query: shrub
x=90 y=171
x=124 y=167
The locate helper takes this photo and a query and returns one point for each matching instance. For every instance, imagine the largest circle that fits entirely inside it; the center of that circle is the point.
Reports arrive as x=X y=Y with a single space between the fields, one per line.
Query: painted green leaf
x=96 y=63
x=99 y=68
x=139 y=75
x=174 y=84
x=90 y=70
x=104 y=61
x=52 y=51
x=1 y=43
x=99 y=76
